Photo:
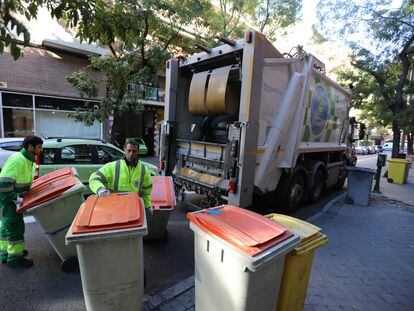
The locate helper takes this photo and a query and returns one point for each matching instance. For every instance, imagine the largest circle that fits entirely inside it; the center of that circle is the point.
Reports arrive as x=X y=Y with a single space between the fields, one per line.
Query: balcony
x=147 y=92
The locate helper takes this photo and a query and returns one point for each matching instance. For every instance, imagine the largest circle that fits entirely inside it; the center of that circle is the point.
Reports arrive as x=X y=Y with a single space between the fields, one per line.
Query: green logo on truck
x=319 y=109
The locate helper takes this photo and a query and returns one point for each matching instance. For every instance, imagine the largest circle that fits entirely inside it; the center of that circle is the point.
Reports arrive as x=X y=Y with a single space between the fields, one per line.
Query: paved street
x=169 y=263
x=391 y=190
x=368 y=263
x=166 y=264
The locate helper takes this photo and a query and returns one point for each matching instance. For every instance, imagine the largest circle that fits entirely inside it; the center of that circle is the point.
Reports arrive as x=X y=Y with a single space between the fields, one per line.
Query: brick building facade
x=36 y=98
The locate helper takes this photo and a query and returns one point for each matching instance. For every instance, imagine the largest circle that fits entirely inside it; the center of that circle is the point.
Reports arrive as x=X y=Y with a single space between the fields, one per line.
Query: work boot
x=25 y=253
x=21 y=263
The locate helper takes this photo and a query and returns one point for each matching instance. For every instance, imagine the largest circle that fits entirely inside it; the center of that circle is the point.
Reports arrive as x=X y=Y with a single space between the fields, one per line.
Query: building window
x=59 y=124
x=17 y=122
x=17 y=100
x=77 y=154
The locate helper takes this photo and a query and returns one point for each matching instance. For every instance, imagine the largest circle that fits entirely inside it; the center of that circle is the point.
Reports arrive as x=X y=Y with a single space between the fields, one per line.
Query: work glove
x=18 y=201
x=103 y=193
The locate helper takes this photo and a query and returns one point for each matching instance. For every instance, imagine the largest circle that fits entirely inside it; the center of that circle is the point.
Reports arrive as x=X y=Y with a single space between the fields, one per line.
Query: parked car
x=387 y=147
x=361 y=150
x=372 y=150
x=143 y=150
x=8 y=146
x=86 y=155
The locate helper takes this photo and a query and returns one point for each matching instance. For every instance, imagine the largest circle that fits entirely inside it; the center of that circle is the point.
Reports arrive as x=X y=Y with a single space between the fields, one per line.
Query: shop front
x=25 y=114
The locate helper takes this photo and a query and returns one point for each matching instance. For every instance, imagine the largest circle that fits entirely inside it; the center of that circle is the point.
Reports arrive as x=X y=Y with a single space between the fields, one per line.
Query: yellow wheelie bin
x=398 y=170
x=298 y=264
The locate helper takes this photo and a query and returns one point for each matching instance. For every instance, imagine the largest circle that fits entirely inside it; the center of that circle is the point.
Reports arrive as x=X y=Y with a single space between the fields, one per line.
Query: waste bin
x=398 y=171
x=239 y=259
x=162 y=201
x=108 y=234
x=60 y=173
x=298 y=264
x=359 y=185
x=54 y=202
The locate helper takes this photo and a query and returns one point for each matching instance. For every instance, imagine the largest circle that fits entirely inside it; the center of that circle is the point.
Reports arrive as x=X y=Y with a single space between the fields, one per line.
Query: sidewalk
x=368 y=263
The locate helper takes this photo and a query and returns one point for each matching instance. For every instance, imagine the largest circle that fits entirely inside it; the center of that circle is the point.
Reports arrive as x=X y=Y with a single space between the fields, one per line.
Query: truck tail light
x=232 y=186
x=161 y=165
x=249 y=37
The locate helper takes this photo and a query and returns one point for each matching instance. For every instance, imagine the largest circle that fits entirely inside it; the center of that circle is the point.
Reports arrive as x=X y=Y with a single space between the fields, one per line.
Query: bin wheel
x=390 y=180
x=69 y=264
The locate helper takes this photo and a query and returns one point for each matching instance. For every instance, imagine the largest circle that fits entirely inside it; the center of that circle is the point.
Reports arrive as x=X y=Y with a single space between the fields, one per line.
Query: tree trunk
x=410 y=138
x=126 y=125
x=402 y=142
x=396 y=140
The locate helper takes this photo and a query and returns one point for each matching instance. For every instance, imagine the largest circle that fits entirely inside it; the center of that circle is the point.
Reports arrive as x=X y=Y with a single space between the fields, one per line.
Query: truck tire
x=295 y=192
x=317 y=186
x=341 y=180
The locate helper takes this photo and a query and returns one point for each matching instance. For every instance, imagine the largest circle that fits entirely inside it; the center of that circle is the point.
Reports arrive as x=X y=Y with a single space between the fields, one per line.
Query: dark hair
x=132 y=142
x=32 y=140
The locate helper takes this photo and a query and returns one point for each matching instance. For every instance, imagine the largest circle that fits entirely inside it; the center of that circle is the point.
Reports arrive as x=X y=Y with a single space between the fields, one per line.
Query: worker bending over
x=125 y=175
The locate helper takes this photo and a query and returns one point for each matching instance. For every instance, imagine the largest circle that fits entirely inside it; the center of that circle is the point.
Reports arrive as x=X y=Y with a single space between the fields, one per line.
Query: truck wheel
x=295 y=192
x=318 y=186
x=341 y=180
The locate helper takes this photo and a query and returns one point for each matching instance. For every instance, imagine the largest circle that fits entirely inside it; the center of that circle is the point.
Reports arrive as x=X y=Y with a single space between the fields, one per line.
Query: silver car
x=8 y=146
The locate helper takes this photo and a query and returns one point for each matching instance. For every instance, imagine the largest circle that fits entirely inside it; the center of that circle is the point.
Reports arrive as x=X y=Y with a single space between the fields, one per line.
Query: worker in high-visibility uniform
x=16 y=177
x=127 y=174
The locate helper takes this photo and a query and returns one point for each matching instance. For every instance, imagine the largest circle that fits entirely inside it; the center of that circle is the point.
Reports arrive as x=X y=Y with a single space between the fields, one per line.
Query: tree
x=13 y=33
x=271 y=15
x=381 y=38
x=231 y=17
x=142 y=35
x=228 y=18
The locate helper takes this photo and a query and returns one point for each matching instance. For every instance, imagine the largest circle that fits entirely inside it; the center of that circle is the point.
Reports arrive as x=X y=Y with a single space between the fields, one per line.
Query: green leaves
x=271 y=15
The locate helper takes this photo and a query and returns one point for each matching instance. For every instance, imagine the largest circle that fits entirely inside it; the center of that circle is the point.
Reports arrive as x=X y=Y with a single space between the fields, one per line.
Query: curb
x=326 y=207
x=176 y=290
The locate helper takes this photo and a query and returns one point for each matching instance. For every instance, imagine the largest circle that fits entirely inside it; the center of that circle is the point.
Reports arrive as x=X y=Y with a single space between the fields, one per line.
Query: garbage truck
x=243 y=120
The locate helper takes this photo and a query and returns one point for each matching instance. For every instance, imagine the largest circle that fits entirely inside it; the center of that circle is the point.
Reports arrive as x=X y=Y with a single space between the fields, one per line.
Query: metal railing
x=148 y=92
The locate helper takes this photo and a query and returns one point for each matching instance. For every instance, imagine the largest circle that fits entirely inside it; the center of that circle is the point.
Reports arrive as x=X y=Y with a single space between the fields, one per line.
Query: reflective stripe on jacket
x=118 y=176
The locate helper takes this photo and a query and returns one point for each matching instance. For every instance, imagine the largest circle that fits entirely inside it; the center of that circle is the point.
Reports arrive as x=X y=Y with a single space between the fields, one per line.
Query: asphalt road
x=46 y=287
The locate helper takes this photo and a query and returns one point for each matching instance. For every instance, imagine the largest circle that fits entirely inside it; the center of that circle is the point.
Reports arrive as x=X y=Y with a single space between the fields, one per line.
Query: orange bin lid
x=117 y=211
x=63 y=172
x=251 y=233
x=162 y=195
x=46 y=191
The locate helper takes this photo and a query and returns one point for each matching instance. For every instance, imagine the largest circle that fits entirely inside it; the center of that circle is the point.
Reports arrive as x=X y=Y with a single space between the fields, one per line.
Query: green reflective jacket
x=118 y=176
x=16 y=176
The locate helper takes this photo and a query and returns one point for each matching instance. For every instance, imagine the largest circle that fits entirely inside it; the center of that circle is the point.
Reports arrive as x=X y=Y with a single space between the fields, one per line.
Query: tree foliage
x=13 y=32
x=141 y=36
x=272 y=15
x=381 y=38
x=231 y=17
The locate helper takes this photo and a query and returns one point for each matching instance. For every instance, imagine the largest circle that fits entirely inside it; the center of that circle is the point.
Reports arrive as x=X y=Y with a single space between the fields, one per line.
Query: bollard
x=381 y=161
